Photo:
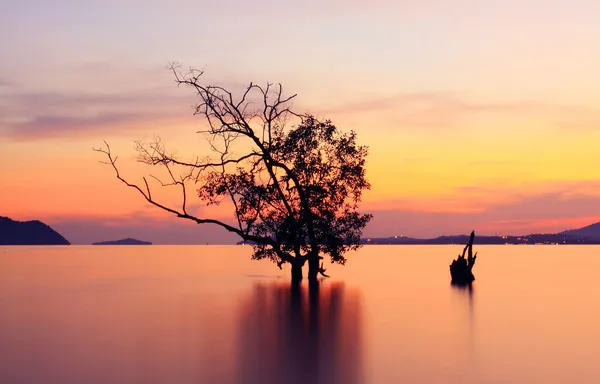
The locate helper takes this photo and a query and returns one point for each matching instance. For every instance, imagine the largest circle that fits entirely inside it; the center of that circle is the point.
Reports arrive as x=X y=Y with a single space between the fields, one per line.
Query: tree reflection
x=299 y=334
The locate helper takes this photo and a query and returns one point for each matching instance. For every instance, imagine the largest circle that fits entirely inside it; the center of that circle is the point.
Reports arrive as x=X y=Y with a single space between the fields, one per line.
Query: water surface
x=208 y=314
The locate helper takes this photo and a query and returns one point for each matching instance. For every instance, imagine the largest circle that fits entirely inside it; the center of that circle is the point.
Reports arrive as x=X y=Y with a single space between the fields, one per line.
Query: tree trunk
x=296 y=271
x=313 y=268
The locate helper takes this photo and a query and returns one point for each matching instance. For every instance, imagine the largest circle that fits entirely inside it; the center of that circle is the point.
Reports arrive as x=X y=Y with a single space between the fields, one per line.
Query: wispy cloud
x=39 y=115
x=27 y=114
x=53 y=126
x=442 y=109
x=537 y=207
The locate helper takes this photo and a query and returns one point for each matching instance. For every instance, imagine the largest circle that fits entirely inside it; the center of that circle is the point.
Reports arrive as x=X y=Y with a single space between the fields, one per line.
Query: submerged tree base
x=314 y=270
x=296 y=273
x=461 y=275
x=461 y=269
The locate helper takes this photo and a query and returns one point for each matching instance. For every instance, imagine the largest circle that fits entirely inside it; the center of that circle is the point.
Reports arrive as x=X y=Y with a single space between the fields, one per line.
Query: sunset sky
x=479 y=114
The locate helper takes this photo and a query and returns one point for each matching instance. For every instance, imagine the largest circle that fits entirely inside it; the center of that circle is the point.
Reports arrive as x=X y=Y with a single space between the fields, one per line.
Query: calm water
x=208 y=314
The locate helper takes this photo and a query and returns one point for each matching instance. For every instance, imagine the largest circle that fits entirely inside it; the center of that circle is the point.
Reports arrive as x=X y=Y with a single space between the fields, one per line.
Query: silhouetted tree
x=294 y=188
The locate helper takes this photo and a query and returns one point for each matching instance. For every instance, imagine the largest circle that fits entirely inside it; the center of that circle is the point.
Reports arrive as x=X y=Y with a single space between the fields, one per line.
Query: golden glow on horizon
x=491 y=109
x=411 y=170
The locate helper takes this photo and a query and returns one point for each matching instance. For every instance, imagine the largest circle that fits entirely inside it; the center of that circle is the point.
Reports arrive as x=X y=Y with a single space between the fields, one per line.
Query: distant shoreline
x=233 y=244
x=535 y=239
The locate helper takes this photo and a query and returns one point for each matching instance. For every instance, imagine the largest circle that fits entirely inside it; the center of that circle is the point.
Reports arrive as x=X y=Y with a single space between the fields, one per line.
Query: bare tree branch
x=184 y=215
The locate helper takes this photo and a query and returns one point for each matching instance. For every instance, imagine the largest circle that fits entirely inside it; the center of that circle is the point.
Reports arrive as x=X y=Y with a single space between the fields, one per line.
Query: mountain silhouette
x=591 y=231
x=32 y=232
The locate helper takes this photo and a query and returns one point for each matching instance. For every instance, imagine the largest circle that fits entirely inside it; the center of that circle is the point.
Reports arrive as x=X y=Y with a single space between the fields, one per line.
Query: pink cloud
x=545 y=212
x=442 y=109
x=39 y=114
x=550 y=207
x=157 y=229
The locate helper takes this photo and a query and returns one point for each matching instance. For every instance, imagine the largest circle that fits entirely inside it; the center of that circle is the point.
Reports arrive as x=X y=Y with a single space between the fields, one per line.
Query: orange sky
x=478 y=116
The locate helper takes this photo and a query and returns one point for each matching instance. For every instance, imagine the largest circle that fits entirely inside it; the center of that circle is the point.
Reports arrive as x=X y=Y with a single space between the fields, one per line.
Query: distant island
x=32 y=232
x=127 y=241
x=585 y=235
